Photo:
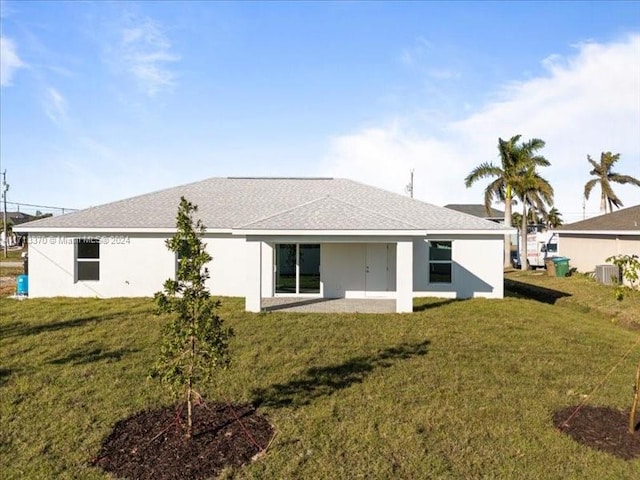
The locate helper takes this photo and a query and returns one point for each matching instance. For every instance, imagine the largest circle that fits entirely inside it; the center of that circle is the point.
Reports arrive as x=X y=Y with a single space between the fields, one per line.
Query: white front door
x=376 y=267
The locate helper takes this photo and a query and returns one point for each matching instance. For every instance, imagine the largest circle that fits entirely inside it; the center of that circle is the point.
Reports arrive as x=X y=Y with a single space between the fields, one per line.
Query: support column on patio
x=404 y=277
x=253 y=295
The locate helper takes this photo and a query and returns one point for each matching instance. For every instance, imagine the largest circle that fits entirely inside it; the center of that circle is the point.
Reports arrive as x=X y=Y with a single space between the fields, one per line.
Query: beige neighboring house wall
x=590 y=242
x=587 y=251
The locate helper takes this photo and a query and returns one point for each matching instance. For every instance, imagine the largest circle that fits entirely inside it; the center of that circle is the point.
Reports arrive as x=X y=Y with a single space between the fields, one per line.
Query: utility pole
x=409 y=187
x=5 y=187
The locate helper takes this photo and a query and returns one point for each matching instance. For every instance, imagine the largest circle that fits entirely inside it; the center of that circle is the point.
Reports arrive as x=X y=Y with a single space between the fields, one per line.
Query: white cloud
x=584 y=104
x=55 y=105
x=144 y=53
x=9 y=61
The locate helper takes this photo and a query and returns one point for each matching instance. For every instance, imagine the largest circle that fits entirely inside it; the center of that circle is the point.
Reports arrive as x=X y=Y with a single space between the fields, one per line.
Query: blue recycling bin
x=22 y=285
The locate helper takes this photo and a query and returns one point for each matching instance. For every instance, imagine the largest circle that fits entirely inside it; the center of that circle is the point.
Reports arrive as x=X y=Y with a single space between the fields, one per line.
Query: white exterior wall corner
x=253 y=279
x=477 y=267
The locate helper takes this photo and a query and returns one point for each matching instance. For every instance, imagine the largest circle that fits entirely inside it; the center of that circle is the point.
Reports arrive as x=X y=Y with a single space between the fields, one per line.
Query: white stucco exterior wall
x=130 y=266
x=137 y=265
x=253 y=278
x=342 y=269
x=347 y=272
x=477 y=268
x=404 y=277
x=228 y=266
x=227 y=269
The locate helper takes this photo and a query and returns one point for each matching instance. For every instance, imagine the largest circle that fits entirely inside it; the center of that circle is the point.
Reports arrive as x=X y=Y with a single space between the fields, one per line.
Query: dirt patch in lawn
x=601 y=428
x=7 y=286
x=151 y=445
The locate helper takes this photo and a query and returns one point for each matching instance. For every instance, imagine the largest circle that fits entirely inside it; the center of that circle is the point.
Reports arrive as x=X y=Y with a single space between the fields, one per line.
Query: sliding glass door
x=309 y=261
x=286 y=268
x=297 y=268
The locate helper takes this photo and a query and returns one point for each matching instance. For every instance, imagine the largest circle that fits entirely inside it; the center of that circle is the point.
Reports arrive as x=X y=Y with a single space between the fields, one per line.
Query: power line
x=20 y=204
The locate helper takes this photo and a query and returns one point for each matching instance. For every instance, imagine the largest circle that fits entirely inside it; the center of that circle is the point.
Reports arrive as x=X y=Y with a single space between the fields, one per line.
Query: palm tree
x=514 y=159
x=516 y=219
x=534 y=192
x=534 y=216
x=604 y=177
x=554 y=218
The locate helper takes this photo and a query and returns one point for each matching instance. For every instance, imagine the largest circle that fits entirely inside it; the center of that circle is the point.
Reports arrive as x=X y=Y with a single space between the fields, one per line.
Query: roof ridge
x=333 y=198
x=378 y=213
x=281 y=212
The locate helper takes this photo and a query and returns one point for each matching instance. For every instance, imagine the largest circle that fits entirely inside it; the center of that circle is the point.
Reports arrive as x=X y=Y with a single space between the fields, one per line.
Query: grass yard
x=459 y=389
x=13 y=253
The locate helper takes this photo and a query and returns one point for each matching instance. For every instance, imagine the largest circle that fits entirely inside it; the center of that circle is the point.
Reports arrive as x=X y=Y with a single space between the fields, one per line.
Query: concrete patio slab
x=329 y=305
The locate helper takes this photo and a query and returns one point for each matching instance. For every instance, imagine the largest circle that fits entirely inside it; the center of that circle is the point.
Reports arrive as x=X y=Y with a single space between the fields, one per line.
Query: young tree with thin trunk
x=605 y=177
x=195 y=341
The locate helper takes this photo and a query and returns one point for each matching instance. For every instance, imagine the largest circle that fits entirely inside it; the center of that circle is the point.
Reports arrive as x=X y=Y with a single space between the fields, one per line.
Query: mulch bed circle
x=151 y=444
x=601 y=428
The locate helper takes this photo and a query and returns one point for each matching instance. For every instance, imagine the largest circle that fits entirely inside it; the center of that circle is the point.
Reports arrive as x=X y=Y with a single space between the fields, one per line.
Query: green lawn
x=459 y=389
x=13 y=254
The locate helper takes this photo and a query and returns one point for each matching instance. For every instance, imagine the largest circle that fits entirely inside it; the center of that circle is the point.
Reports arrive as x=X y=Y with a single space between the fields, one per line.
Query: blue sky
x=102 y=101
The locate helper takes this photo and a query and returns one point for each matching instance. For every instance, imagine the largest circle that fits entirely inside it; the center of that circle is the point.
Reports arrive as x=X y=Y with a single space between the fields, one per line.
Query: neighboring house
x=478 y=210
x=16 y=218
x=13 y=218
x=302 y=237
x=590 y=242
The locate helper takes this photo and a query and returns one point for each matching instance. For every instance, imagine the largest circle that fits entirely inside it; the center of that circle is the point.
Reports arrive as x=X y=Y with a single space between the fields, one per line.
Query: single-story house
x=294 y=237
x=16 y=218
x=590 y=242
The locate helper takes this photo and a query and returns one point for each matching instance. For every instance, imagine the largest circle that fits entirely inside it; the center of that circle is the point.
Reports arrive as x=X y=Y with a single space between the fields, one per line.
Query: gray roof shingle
x=273 y=204
x=627 y=219
x=477 y=210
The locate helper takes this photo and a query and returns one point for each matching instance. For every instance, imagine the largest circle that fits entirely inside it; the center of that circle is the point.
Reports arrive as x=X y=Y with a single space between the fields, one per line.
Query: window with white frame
x=87 y=259
x=440 y=261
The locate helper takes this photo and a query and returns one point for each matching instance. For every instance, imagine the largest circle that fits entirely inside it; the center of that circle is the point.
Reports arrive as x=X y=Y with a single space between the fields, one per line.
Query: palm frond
x=540 y=161
x=495 y=188
x=594 y=164
x=607 y=191
x=588 y=187
x=623 y=179
x=485 y=169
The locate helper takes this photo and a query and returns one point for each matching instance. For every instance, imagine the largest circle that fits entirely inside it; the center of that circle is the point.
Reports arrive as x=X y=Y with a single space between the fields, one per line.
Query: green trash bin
x=562 y=266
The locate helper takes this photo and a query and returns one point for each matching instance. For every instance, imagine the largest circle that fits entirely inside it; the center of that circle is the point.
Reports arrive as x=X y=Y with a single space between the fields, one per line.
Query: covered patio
x=329 y=273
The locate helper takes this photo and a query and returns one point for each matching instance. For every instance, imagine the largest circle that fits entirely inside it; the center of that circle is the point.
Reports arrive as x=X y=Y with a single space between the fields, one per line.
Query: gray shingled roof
x=627 y=219
x=16 y=218
x=477 y=210
x=273 y=204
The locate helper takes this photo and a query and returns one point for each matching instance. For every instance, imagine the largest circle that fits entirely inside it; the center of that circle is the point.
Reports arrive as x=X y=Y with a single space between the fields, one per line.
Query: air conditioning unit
x=608 y=274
